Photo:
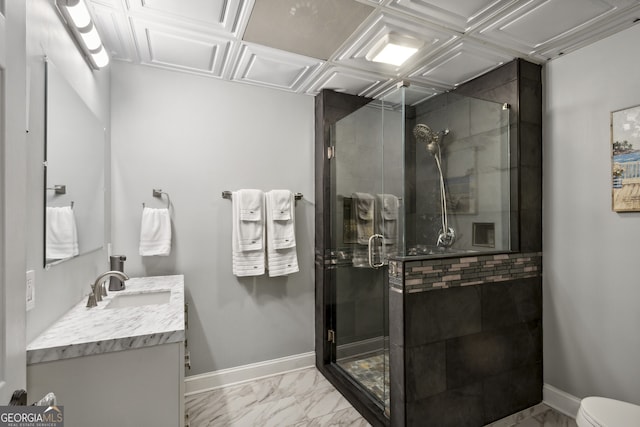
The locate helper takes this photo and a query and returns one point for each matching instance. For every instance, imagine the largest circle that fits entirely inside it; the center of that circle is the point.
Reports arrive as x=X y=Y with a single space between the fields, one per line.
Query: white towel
x=364 y=210
x=387 y=213
x=281 y=239
x=61 y=233
x=155 y=232
x=247 y=240
x=387 y=217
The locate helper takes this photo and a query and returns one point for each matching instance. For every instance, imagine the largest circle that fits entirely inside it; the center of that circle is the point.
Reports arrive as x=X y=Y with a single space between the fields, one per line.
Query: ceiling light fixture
x=393 y=49
x=78 y=19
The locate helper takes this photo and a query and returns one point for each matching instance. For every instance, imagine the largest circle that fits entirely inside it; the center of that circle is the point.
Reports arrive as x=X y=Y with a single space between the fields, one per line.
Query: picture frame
x=625 y=159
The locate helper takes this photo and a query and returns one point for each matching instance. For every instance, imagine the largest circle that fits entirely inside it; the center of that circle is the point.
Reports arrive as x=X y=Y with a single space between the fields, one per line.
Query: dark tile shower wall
x=519 y=83
x=360 y=306
x=475 y=154
x=466 y=331
x=465 y=354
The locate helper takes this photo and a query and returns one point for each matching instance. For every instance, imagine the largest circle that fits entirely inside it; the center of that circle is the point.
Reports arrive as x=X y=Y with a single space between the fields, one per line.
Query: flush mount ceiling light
x=393 y=49
x=78 y=19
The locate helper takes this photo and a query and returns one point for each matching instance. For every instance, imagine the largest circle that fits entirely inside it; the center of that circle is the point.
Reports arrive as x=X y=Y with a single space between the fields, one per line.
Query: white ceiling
x=462 y=40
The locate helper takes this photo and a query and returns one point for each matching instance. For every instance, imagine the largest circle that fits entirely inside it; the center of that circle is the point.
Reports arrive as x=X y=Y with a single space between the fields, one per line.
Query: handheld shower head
x=424 y=134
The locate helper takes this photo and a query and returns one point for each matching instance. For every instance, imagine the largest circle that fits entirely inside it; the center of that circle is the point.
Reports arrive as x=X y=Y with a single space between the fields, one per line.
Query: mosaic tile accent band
x=431 y=274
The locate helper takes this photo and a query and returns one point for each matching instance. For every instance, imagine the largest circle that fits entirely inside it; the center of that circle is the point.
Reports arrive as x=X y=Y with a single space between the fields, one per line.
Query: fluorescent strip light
x=76 y=17
x=91 y=39
x=79 y=14
x=101 y=58
x=394 y=54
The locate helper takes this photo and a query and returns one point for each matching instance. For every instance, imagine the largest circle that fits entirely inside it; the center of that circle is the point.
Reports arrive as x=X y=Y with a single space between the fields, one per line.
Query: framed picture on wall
x=625 y=159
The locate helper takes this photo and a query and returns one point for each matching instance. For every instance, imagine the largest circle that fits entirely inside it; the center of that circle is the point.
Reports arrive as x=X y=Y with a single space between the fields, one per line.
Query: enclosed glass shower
x=408 y=178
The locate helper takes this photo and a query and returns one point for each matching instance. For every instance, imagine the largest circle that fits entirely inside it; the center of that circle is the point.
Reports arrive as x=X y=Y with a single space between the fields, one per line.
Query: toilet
x=603 y=412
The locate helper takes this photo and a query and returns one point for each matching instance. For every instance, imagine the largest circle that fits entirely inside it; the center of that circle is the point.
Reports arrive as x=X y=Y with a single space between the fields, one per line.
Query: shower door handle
x=371 y=262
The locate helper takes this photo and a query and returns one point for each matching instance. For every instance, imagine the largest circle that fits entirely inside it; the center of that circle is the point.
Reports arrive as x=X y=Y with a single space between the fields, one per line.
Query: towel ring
x=158 y=193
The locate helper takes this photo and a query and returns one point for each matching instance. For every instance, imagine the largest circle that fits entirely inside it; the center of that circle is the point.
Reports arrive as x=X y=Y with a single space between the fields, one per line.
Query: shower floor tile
x=372 y=372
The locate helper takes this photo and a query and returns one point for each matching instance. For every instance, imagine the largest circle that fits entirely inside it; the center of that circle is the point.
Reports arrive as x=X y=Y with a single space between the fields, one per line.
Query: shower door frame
x=330 y=107
x=519 y=83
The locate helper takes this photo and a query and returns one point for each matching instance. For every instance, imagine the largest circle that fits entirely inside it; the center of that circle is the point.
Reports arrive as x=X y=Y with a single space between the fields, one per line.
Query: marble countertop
x=85 y=331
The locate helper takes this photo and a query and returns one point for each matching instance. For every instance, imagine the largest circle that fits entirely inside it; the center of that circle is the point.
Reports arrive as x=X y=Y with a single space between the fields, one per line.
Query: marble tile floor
x=539 y=415
x=304 y=398
x=298 y=398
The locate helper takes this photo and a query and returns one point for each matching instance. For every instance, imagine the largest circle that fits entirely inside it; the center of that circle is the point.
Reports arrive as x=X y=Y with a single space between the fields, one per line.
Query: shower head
x=424 y=134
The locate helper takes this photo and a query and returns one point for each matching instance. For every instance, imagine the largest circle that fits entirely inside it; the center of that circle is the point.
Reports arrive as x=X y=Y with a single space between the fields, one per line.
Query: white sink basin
x=139 y=299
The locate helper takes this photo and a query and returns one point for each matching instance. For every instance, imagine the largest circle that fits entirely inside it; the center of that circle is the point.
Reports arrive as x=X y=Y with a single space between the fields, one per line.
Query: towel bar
x=59 y=189
x=227 y=195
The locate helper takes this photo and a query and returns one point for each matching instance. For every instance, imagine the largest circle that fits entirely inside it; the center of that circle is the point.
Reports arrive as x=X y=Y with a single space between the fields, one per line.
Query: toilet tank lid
x=609 y=412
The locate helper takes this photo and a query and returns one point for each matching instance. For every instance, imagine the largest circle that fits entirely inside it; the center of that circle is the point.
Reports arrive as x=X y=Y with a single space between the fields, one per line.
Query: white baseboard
x=560 y=400
x=224 y=377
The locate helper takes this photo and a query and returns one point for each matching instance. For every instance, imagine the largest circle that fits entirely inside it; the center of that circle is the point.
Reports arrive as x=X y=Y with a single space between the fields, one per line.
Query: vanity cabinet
x=138 y=387
x=120 y=363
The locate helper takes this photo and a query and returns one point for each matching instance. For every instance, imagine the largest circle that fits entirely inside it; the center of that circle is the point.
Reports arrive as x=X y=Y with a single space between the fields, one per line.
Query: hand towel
x=155 y=232
x=387 y=206
x=282 y=257
x=250 y=221
x=247 y=242
x=387 y=214
x=61 y=233
x=364 y=210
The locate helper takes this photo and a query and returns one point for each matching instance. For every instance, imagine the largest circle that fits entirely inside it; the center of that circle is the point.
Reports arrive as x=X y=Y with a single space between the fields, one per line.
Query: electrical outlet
x=31 y=289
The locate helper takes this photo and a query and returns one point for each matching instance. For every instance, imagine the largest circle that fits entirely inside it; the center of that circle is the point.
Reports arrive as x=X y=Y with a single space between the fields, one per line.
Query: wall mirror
x=74 y=172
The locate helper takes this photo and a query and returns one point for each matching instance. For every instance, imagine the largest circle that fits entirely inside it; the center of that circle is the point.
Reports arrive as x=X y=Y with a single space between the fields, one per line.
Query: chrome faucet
x=98 y=290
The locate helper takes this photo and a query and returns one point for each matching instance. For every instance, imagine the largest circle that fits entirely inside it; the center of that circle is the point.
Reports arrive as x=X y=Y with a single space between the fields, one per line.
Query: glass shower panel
x=367 y=177
x=474 y=155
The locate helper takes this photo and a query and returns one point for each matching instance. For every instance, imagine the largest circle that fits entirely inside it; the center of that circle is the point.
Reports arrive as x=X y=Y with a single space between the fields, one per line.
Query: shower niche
x=431 y=204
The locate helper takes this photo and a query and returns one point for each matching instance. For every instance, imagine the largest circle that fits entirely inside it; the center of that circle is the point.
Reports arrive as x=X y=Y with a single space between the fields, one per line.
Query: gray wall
x=63 y=285
x=194 y=137
x=591 y=292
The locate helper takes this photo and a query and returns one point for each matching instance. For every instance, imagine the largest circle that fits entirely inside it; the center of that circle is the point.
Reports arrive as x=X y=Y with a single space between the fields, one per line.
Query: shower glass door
x=367 y=182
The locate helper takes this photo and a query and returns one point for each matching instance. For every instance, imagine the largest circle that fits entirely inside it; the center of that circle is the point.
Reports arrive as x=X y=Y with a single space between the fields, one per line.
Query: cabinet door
x=130 y=388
